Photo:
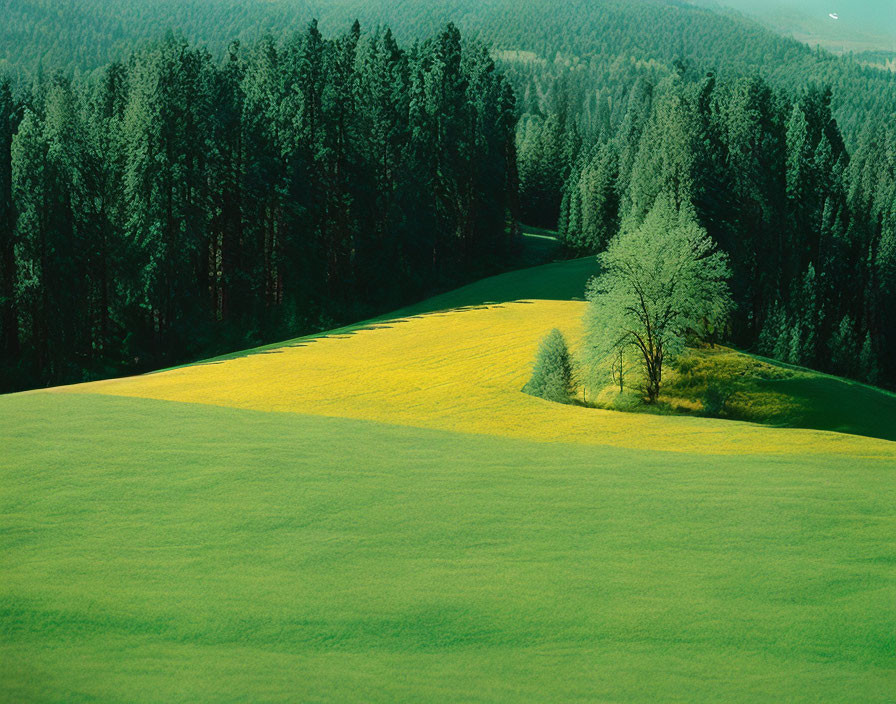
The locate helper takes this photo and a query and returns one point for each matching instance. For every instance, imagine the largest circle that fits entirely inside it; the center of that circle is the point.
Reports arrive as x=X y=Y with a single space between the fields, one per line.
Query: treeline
x=174 y=205
x=615 y=107
x=809 y=227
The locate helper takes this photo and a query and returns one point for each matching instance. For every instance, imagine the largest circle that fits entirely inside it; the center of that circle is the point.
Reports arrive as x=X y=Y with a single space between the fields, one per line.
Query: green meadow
x=155 y=551
x=164 y=552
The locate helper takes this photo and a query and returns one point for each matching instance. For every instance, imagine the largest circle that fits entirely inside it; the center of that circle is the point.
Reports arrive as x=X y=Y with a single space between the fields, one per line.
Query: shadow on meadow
x=724 y=383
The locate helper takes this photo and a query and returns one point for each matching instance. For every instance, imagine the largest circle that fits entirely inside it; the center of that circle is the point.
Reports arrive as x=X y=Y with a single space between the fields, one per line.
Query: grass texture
x=380 y=515
x=171 y=552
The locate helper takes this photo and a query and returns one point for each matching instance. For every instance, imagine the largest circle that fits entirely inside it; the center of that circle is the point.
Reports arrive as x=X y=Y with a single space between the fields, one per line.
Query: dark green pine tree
x=798 y=186
x=229 y=271
x=489 y=215
x=449 y=119
x=741 y=192
x=598 y=199
x=544 y=153
x=869 y=367
x=306 y=257
x=666 y=160
x=382 y=135
x=882 y=294
x=102 y=214
x=274 y=203
x=637 y=113
x=55 y=244
x=167 y=140
x=10 y=115
x=808 y=317
x=340 y=166
x=843 y=348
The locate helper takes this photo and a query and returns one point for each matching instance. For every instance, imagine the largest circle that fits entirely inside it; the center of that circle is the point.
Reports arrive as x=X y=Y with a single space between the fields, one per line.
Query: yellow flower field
x=462 y=371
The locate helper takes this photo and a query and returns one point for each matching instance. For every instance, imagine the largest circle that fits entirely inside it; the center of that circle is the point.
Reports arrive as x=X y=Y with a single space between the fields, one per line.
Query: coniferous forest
x=176 y=204
x=809 y=226
x=167 y=198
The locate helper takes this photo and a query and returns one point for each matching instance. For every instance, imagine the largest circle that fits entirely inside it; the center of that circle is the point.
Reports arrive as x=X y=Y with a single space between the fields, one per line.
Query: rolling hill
x=379 y=514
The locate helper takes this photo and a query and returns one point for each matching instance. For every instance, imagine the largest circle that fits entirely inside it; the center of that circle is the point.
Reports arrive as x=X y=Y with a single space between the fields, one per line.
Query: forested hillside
x=594 y=45
x=809 y=227
x=172 y=204
x=347 y=189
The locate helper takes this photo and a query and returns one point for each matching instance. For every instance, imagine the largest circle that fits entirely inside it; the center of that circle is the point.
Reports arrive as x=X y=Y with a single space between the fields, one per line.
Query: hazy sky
x=872 y=16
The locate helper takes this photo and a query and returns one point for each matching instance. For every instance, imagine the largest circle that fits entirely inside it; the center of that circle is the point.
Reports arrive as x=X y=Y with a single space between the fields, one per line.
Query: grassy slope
x=153 y=551
x=766 y=391
x=799 y=398
x=845 y=406
x=562 y=281
x=163 y=552
x=460 y=370
x=789 y=397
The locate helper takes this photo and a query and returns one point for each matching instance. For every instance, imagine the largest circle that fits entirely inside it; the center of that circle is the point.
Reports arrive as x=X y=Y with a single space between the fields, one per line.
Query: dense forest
x=810 y=227
x=594 y=47
x=317 y=185
x=172 y=204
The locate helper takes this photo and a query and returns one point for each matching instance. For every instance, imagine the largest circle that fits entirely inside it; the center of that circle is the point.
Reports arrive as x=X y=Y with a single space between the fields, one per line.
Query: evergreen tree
x=383 y=108
x=545 y=154
x=597 y=200
x=774 y=331
x=228 y=287
x=552 y=375
x=666 y=159
x=843 y=348
x=112 y=277
x=10 y=114
x=807 y=321
x=868 y=361
x=54 y=242
x=168 y=139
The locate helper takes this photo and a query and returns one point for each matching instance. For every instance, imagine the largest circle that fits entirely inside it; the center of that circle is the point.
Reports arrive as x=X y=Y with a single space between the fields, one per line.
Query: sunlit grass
x=157 y=552
x=241 y=531
x=463 y=371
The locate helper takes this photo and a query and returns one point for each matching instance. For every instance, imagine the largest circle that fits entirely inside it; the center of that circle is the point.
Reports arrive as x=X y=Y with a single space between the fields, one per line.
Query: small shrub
x=552 y=376
x=716 y=397
x=627 y=402
x=685 y=365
